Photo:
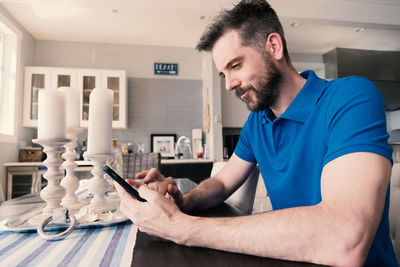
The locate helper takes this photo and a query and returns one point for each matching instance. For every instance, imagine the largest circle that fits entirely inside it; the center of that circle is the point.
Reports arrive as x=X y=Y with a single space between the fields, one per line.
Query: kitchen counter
x=194 y=169
x=23 y=164
x=87 y=163
x=184 y=161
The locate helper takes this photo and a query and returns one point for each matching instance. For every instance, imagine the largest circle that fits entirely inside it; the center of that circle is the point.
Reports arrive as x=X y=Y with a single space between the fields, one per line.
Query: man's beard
x=266 y=93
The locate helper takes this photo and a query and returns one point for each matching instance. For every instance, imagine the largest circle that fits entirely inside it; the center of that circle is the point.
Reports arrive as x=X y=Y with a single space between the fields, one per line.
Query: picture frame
x=163 y=144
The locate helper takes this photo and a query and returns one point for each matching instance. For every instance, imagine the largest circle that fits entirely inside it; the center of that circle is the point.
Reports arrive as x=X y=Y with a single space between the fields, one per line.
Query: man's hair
x=254 y=20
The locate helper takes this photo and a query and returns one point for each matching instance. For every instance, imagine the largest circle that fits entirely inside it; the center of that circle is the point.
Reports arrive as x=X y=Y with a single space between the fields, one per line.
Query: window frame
x=7 y=138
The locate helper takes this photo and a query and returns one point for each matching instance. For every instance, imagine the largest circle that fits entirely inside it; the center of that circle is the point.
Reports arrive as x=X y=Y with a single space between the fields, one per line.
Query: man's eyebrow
x=227 y=65
x=233 y=60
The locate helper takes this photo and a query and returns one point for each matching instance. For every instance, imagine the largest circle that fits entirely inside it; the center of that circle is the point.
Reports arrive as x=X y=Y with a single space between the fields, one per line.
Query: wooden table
x=151 y=251
x=154 y=252
x=117 y=245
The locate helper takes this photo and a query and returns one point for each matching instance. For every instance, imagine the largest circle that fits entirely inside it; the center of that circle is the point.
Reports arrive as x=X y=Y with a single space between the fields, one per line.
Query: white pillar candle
x=73 y=106
x=100 y=121
x=51 y=114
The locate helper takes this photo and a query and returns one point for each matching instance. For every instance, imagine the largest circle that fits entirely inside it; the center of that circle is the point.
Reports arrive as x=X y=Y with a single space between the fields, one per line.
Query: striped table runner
x=104 y=246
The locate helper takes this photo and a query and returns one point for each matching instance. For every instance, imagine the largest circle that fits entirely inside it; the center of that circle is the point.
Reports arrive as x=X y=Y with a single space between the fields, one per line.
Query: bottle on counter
x=140 y=147
x=200 y=153
x=130 y=147
x=124 y=148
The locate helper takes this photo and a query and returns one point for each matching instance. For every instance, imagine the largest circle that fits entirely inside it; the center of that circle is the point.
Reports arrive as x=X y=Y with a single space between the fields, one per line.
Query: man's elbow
x=353 y=257
x=337 y=256
x=352 y=250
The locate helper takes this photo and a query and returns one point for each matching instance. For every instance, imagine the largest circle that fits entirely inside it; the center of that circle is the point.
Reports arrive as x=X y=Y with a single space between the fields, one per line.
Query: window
x=10 y=38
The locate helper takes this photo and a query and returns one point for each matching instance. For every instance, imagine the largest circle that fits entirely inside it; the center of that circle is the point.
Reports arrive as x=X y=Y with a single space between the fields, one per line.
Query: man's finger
x=162 y=186
x=147 y=193
x=142 y=174
x=134 y=183
x=153 y=175
x=123 y=193
x=172 y=189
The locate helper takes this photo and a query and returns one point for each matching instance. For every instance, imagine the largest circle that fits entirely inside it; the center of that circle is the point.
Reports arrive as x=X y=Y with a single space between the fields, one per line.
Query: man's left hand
x=158 y=216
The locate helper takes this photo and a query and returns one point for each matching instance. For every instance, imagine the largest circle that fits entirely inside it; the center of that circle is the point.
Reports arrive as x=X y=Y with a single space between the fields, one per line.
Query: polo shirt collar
x=303 y=104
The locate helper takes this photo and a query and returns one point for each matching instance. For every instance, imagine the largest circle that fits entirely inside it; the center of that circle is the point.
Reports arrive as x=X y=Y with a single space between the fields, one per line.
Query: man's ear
x=274 y=46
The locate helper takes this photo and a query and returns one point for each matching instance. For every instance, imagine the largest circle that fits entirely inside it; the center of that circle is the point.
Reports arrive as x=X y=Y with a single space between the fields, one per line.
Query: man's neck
x=292 y=83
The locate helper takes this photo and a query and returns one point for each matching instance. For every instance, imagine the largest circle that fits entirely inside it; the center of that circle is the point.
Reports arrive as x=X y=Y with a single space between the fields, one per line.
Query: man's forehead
x=224 y=49
x=230 y=38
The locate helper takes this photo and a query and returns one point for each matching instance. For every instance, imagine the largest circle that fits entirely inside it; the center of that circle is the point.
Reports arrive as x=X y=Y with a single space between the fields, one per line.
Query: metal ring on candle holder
x=61 y=235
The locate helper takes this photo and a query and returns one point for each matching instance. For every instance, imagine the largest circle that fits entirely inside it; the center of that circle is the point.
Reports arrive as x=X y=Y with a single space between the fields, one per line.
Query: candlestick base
x=98 y=185
x=70 y=181
x=53 y=192
x=38 y=219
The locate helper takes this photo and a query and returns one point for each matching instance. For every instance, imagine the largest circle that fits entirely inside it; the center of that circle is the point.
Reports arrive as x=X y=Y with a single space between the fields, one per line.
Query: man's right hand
x=165 y=186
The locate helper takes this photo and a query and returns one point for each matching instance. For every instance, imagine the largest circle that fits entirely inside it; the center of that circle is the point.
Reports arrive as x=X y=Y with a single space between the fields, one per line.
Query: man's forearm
x=309 y=234
x=208 y=193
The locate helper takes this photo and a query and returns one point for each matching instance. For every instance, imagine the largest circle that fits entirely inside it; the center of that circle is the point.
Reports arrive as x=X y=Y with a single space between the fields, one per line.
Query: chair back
x=243 y=197
x=133 y=163
x=394 y=208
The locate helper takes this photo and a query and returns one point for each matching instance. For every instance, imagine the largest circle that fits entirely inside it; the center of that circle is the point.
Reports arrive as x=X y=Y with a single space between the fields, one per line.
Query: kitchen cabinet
x=24 y=180
x=114 y=80
x=27 y=177
x=51 y=78
x=36 y=78
x=61 y=77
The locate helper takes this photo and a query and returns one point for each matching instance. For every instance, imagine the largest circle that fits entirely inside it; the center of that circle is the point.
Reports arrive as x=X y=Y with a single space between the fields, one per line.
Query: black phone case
x=132 y=191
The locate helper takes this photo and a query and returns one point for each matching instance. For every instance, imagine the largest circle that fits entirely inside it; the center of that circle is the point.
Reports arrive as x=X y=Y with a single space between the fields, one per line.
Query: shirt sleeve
x=356 y=120
x=243 y=148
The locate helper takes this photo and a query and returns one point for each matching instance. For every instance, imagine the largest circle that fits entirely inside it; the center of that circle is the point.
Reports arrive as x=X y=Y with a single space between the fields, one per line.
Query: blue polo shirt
x=326 y=120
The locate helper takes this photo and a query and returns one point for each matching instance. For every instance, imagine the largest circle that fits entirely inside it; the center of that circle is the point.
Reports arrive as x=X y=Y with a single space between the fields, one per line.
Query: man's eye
x=234 y=66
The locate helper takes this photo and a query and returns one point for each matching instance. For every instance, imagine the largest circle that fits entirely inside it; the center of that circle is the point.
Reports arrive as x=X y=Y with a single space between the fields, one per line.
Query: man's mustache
x=239 y=91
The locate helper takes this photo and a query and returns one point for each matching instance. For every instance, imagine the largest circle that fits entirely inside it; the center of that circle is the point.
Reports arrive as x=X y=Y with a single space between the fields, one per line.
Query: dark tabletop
x=156 y=252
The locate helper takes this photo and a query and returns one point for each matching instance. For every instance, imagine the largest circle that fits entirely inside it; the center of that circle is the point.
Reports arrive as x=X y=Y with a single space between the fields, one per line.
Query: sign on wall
x=165 y=68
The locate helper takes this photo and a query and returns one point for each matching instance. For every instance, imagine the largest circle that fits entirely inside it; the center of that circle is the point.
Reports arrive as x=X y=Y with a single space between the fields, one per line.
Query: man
x=321 y=147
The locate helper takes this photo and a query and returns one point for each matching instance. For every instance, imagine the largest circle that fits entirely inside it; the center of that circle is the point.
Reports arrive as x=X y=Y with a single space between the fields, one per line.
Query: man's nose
x=231 y=83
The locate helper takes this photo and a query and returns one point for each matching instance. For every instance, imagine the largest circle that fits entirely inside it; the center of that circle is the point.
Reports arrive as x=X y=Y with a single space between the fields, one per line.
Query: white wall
x=148 y=94
x=137 y=60
x=212 y=103
x=234 y=111
x=9 y=151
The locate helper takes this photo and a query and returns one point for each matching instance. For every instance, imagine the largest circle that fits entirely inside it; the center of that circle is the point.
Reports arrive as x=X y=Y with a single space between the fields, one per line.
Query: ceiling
x=311 y=26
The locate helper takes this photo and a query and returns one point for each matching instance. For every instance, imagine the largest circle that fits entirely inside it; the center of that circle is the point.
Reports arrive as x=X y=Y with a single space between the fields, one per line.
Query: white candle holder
x=53 y=192
x=70 y=181
x=98 y=184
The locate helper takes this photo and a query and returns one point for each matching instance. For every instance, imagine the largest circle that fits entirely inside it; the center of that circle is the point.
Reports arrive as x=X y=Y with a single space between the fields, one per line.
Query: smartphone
x=132 y=191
